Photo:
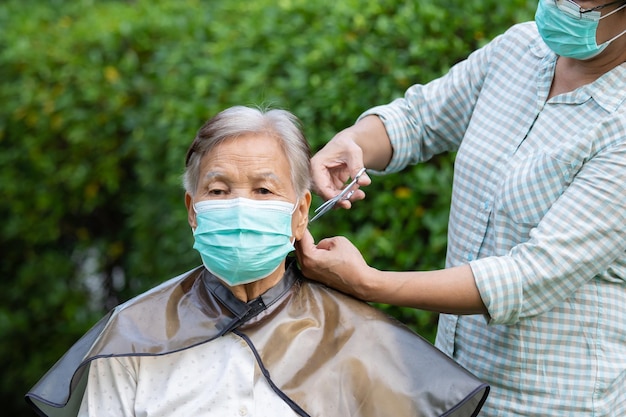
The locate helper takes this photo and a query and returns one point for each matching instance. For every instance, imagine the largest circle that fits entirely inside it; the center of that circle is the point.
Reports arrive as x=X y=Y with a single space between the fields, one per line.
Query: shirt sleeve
x=582 y=236
x=432 y=118
x=110 y=390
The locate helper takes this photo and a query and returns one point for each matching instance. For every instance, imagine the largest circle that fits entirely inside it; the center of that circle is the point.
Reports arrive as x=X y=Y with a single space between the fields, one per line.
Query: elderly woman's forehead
x=253 y=149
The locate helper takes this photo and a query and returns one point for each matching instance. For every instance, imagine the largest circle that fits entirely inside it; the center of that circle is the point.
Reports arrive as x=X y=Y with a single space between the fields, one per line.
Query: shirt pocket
x=533 y=185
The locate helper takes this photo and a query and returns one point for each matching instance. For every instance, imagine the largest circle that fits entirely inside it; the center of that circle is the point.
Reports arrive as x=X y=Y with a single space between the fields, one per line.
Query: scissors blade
x=318 y=215
x=325 y=206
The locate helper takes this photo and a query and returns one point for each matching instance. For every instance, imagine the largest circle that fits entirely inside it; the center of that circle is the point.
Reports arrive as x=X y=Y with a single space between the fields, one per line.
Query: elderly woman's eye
x=263 y=191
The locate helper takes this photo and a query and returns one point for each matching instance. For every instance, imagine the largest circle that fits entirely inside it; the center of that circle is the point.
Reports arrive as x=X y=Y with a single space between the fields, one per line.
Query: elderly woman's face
x=252 y=166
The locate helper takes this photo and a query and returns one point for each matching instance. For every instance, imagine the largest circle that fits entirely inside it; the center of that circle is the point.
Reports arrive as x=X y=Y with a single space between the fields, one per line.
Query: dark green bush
x=100 y=100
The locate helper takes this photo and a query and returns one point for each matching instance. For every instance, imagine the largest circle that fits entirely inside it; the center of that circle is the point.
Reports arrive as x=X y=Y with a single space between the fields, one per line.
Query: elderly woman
x=246 y=334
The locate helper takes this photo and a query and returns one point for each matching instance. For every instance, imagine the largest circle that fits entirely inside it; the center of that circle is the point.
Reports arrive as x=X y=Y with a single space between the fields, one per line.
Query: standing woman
x=535 y=281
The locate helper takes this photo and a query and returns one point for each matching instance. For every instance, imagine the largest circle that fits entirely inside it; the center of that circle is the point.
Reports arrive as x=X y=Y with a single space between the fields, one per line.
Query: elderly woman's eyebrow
x=214 y=175
x=269 y=175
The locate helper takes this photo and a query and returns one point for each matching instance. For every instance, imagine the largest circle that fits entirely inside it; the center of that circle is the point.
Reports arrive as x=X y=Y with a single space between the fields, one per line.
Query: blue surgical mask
x=567 y=31
x=242 y=240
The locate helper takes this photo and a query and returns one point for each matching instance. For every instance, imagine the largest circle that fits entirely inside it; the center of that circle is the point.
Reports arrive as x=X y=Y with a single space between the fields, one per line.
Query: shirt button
x=243 y=411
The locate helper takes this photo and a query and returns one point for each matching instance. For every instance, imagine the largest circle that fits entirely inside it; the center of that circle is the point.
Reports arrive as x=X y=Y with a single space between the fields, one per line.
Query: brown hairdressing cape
x=323 y=352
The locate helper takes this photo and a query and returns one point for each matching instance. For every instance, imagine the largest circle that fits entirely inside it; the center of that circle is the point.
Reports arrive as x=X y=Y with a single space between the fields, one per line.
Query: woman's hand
x=336 y=163
x=335 y=262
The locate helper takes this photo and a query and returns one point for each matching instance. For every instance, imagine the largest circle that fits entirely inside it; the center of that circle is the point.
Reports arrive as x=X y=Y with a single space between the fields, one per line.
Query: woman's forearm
x=451 y=290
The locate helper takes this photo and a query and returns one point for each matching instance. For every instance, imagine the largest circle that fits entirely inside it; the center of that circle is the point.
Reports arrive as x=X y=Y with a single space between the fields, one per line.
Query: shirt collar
x=609 y=91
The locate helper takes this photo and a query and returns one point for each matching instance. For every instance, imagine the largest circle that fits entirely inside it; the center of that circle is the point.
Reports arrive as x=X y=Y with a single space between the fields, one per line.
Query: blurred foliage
x=100 y=100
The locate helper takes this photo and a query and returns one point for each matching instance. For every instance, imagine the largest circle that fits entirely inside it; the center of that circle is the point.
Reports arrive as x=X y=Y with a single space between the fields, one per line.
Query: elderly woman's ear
x=300 y=219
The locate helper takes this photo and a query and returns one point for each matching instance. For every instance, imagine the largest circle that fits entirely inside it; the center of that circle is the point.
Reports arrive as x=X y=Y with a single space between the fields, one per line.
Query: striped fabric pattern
x=539 y=212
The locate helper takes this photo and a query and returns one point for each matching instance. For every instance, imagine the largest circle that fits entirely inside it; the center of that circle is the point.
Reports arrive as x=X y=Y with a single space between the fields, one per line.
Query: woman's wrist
x=370 y=135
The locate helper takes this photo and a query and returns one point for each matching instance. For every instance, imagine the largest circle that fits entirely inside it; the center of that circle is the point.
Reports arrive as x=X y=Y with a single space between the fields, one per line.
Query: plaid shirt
x=539 y=212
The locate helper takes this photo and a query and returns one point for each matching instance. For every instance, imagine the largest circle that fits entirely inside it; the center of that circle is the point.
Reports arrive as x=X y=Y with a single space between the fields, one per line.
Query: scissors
x=345 y=194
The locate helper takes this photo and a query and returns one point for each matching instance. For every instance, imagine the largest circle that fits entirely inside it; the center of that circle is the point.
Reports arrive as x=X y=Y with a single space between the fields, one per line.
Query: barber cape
x=383 y=368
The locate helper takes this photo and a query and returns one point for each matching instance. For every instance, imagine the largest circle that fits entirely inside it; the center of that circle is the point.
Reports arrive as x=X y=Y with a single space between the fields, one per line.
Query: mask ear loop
x=615 y=37
x=295 y=206
x=193 y=205
x=614 y=11
x=618 y=35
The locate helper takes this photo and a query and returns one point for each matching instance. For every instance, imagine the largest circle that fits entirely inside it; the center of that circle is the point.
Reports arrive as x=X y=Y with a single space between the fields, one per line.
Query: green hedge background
x=100 y=99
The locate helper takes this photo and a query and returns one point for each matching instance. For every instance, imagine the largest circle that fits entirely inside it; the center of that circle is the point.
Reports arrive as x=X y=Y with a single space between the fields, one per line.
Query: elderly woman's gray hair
x=240 y=120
